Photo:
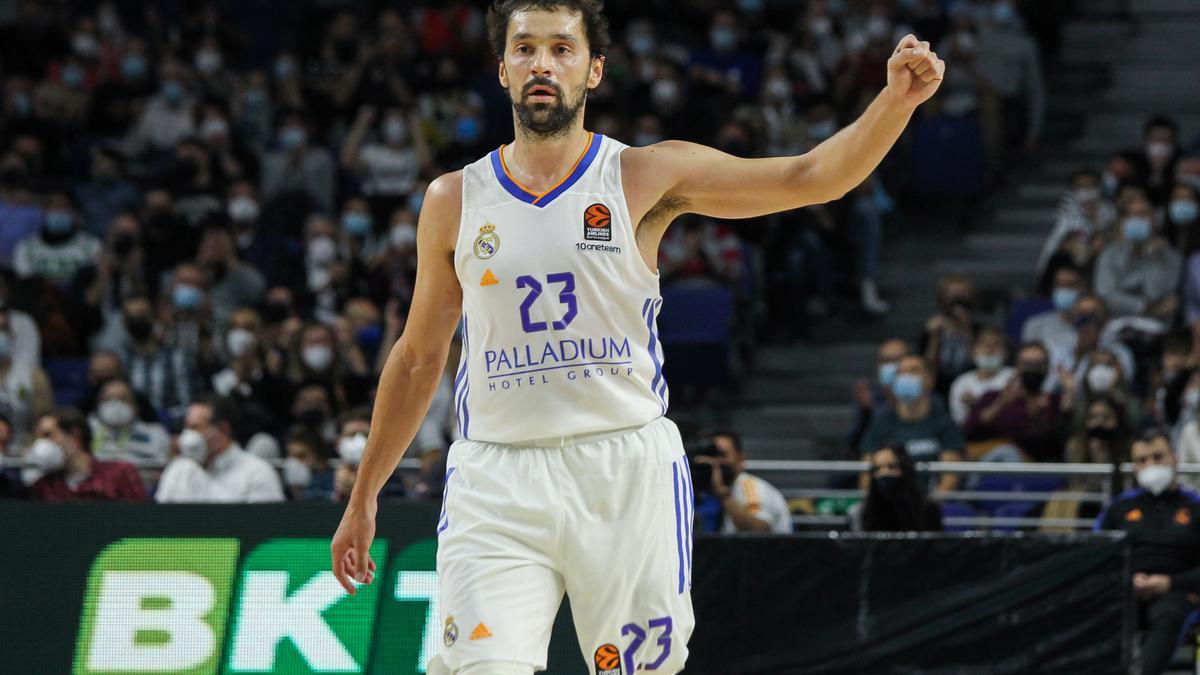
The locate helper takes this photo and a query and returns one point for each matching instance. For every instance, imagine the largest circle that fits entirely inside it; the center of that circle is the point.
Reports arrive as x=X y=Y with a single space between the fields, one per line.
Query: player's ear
x=597 y=72
x=503 y=73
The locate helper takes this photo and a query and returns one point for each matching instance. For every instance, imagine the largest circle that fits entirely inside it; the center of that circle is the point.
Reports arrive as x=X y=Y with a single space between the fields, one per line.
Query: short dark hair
x=69 y=420
x=224 y=409
x=733 y=436
x=594 y=21
x=359 y=414
x=1152 y=434
x=1160 y=121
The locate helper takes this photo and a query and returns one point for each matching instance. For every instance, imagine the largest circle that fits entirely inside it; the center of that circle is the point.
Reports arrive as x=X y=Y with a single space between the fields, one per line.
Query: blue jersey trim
x=541 y=200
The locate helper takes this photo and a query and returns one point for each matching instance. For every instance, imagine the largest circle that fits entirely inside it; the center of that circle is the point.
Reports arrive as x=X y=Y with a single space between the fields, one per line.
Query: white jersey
x=559 y=309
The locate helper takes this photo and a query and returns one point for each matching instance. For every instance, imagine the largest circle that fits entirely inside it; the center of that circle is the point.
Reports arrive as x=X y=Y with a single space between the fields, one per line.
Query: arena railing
x=766 y=467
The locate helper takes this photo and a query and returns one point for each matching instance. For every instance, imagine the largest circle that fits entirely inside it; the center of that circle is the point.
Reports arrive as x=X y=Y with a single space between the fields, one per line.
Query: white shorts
x=608 y=521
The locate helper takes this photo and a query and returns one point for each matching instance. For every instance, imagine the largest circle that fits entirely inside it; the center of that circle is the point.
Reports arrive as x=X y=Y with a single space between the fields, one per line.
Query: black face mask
x=139 y=327
x=1032 y=380
x=123 y=245
x=219 y=269
x=1101 y=433
x=160 y=223
x=311 y=418
x=275 y=312
x=887 y=487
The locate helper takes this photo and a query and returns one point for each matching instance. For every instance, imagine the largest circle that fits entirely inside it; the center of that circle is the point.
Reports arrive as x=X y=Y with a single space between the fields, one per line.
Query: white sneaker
x=871 y=302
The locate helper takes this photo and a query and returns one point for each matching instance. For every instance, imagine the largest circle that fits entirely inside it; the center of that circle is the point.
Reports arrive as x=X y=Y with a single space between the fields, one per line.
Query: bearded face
x=545 y=110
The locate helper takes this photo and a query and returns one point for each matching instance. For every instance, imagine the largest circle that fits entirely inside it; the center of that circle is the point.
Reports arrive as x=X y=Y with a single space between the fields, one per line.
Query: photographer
x=749 y=503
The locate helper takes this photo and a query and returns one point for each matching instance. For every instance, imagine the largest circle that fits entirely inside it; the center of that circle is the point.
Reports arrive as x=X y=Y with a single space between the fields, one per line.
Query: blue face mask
x=133 y=67
x=59 y=222
x=908 y=387
x=887 y=373
x=1064 y=298
x=291 y=138
x=255 y=98
x=72 y=76
x=1136 y=229
x=187 y=297
x=723 y=39
x=172 y=91
x=1183 y=211
x=369 y=337
x=6 y=346
x=356 y=224
x=468 y=130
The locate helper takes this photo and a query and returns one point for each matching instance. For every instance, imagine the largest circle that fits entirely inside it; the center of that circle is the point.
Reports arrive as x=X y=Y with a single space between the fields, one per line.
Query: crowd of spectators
x=1109 y=347
x=203 y=205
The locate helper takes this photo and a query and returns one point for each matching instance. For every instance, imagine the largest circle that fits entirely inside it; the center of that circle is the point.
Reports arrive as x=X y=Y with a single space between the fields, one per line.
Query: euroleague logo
x=597 y=223
x=608 y=660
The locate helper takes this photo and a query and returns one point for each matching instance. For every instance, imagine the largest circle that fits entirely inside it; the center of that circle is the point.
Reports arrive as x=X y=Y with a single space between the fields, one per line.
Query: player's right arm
x=410 y=376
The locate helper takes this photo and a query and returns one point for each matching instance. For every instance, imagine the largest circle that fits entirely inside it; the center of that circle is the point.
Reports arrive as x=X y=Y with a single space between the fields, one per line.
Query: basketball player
x=569 y=476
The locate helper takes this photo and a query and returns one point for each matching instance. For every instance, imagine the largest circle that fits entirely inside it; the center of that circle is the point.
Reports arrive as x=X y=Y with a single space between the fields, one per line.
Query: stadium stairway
x=1114 y=70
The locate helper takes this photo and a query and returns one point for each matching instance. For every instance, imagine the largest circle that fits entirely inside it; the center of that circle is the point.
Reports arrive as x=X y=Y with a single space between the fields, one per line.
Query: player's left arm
x=699 y=179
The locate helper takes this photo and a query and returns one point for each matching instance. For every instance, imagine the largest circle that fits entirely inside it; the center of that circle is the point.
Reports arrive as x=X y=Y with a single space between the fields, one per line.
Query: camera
x=702 y=472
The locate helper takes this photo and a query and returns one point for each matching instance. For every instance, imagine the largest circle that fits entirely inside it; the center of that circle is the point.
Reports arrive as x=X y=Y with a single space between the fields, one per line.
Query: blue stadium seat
x=68 y=376
x=957 y=510
x=1021 y=311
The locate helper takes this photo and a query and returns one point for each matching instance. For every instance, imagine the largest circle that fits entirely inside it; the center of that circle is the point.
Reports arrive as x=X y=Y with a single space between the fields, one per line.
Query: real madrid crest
x=450 y=635
x=487 y=243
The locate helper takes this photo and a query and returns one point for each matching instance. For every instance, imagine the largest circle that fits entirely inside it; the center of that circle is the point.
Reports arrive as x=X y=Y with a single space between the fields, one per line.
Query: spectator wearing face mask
x=389 y=162
x=916 y=422
x=1056 y=328
x=874 y=395
x=1161 y=520
x=1139 y=273
x=118 y=434
x=357 y=234
x=895 y=501
x=260 y=394
x=949 y=333
x=61 y=249
x=263 y=248
x=990 y=353
x=1104 y=437
x=1082 y=224
x=1154 y=164
x=232 y=283
x=393 y=271
x=313 y=357
x=59 y=466
x=166 y=118
x=306 y=472
x=1009 y=61
x=298 y=167
x=165 y=375
x=1181 y=215
x=353 y=427
x=1072 y=337
x=1022 y=416
x=211 y=467
x=25 y=391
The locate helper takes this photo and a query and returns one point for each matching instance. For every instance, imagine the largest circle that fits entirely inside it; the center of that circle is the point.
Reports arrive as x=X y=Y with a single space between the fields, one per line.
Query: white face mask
x=317 y=357
x=323 y=250
x=43 y=457
x=1156 y=478
x=238 y=341
x=351 y=448
x=296 y=474
x=115 y=413
x=1101 y=378
x=395 y=130
x=403 y=235
x=193 y=445
x=243 y=210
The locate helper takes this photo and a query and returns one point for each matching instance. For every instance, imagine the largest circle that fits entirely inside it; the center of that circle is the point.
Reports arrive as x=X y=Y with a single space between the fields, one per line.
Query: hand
x=1066 y=379
x=1150 y=586
x=968 y=399
x=914 y=72
x=936 y=323
x=349 y=550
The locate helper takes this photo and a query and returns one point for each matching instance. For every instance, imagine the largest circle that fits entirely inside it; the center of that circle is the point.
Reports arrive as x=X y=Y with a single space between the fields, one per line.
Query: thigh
x=627 y=561
x=498 y=588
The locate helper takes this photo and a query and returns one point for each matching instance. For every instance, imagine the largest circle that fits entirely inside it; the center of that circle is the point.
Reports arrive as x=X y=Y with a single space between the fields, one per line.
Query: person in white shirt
x=211 y=466
x=990 y=374
x=751 y=504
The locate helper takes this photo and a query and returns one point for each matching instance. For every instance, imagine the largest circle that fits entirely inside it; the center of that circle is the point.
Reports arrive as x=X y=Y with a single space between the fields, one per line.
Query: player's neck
x=540 y=163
